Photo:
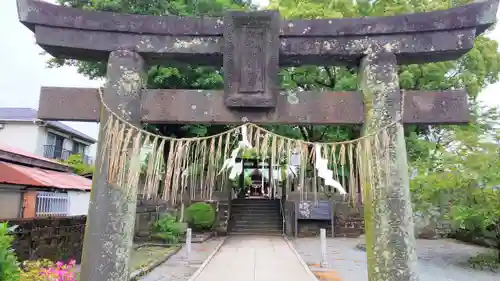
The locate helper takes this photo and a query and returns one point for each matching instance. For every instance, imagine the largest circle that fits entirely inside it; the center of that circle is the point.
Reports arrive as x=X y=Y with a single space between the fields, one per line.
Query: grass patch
x=486 y=261
x=146 y=255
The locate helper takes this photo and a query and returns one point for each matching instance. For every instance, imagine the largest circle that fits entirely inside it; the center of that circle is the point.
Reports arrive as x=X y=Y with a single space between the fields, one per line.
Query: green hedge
x=200 y=216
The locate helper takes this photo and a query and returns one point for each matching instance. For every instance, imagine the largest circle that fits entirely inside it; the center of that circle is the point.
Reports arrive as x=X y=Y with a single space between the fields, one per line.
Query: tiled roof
x=29 y=114
x=36 y=177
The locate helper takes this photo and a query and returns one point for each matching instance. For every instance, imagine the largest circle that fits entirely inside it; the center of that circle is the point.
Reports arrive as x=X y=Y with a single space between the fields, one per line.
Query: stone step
x=259 y=233
x=250 y=201
x=256 y=205
x=256 y=218
x=253 y=212
x=255 y=229
x=257 y=224
x=272 y=207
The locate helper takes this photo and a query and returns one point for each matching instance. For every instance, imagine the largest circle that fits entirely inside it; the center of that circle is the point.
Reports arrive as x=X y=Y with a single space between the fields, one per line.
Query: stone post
x=390 y=239
x=324 y=248
x=188 y=242
x=110 y=223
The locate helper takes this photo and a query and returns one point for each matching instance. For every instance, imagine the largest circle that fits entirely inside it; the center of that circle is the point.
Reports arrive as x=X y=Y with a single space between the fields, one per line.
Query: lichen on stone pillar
x=110 y=222
x=390 y=239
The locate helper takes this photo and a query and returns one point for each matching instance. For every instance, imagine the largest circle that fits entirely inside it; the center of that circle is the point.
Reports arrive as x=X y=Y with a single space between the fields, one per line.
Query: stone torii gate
x=252 y=47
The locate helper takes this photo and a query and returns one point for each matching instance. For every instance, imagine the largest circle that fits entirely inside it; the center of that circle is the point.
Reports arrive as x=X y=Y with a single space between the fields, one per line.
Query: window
x=54 y=147
x=78 y=148
x=52 y=204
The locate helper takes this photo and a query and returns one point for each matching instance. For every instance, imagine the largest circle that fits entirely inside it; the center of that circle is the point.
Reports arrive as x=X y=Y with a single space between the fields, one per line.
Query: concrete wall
x=11 y=198
x=22 y=135
x=78 y=203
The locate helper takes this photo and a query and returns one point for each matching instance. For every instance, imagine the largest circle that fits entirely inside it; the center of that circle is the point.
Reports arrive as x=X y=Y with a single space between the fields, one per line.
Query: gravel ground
x=179 y=267
x=439 y=260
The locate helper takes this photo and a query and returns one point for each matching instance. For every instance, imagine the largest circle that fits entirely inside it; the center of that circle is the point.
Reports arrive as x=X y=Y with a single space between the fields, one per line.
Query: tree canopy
x=477 y=69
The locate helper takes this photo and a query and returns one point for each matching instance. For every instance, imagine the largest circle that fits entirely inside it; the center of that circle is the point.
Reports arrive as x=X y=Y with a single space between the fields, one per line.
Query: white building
x=34 y=186
x=20 y=128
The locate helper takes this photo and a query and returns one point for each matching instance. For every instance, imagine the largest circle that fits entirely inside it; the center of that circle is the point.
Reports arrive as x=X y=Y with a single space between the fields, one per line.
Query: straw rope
x=180 y=168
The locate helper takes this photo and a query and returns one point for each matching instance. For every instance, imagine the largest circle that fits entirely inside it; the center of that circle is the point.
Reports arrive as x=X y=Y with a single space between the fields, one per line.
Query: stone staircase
x=256 y=217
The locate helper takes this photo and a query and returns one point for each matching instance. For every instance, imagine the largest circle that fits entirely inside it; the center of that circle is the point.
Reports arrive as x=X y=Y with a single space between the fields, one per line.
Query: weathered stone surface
x=251 y=59
x=197 y=106
x=414 y=38
x=389 y=230
x=112 y=209
x=478 y=15
x=294 y=51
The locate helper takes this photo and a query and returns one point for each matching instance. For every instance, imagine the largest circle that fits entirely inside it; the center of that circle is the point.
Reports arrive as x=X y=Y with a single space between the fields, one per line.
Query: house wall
x=10 y=201
x=22 y=135
x=78 y=203
x=29 y=204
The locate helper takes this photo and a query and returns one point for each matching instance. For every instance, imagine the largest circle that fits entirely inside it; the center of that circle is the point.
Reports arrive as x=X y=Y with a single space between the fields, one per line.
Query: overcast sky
x=23 y=70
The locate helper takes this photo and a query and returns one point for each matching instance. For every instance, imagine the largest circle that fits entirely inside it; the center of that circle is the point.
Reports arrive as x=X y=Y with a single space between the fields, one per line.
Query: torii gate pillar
x=389 y=227
x=109 y=230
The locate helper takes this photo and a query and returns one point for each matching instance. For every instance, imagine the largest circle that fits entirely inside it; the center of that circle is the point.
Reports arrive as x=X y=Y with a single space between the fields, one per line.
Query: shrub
x=200 y=216
x=168 y=228
x=46 y=270
x=9 y=267
x=485 y=261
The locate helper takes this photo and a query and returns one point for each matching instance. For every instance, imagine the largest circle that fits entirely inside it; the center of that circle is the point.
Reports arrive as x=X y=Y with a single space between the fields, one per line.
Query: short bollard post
x=188 y=242
x=322 y=235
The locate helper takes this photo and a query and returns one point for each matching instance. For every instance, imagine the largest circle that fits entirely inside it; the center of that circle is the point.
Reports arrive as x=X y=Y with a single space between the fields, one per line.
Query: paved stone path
x=179 y=267
x=439 y=260
x=254 y=258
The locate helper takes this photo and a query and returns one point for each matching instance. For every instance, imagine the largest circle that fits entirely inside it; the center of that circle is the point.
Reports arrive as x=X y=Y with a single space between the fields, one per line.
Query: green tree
x=75 y=161
x=474 y=71
x=462 y=175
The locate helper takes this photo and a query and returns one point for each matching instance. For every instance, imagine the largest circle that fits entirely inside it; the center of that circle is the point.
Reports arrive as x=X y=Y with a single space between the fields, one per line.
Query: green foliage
x=461 y=175
x=168 y=228
x=200 y=216
x=79 y=167
x=485 y=261
x=474 y=71
x=9 y=267
x=250 y=153
x=247 y=182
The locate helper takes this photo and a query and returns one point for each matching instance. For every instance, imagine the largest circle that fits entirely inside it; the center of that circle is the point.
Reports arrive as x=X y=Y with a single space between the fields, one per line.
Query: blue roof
x=29 y=114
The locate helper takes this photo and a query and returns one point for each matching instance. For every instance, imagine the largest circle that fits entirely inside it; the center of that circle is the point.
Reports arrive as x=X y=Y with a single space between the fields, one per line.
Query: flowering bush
x=46 y=270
